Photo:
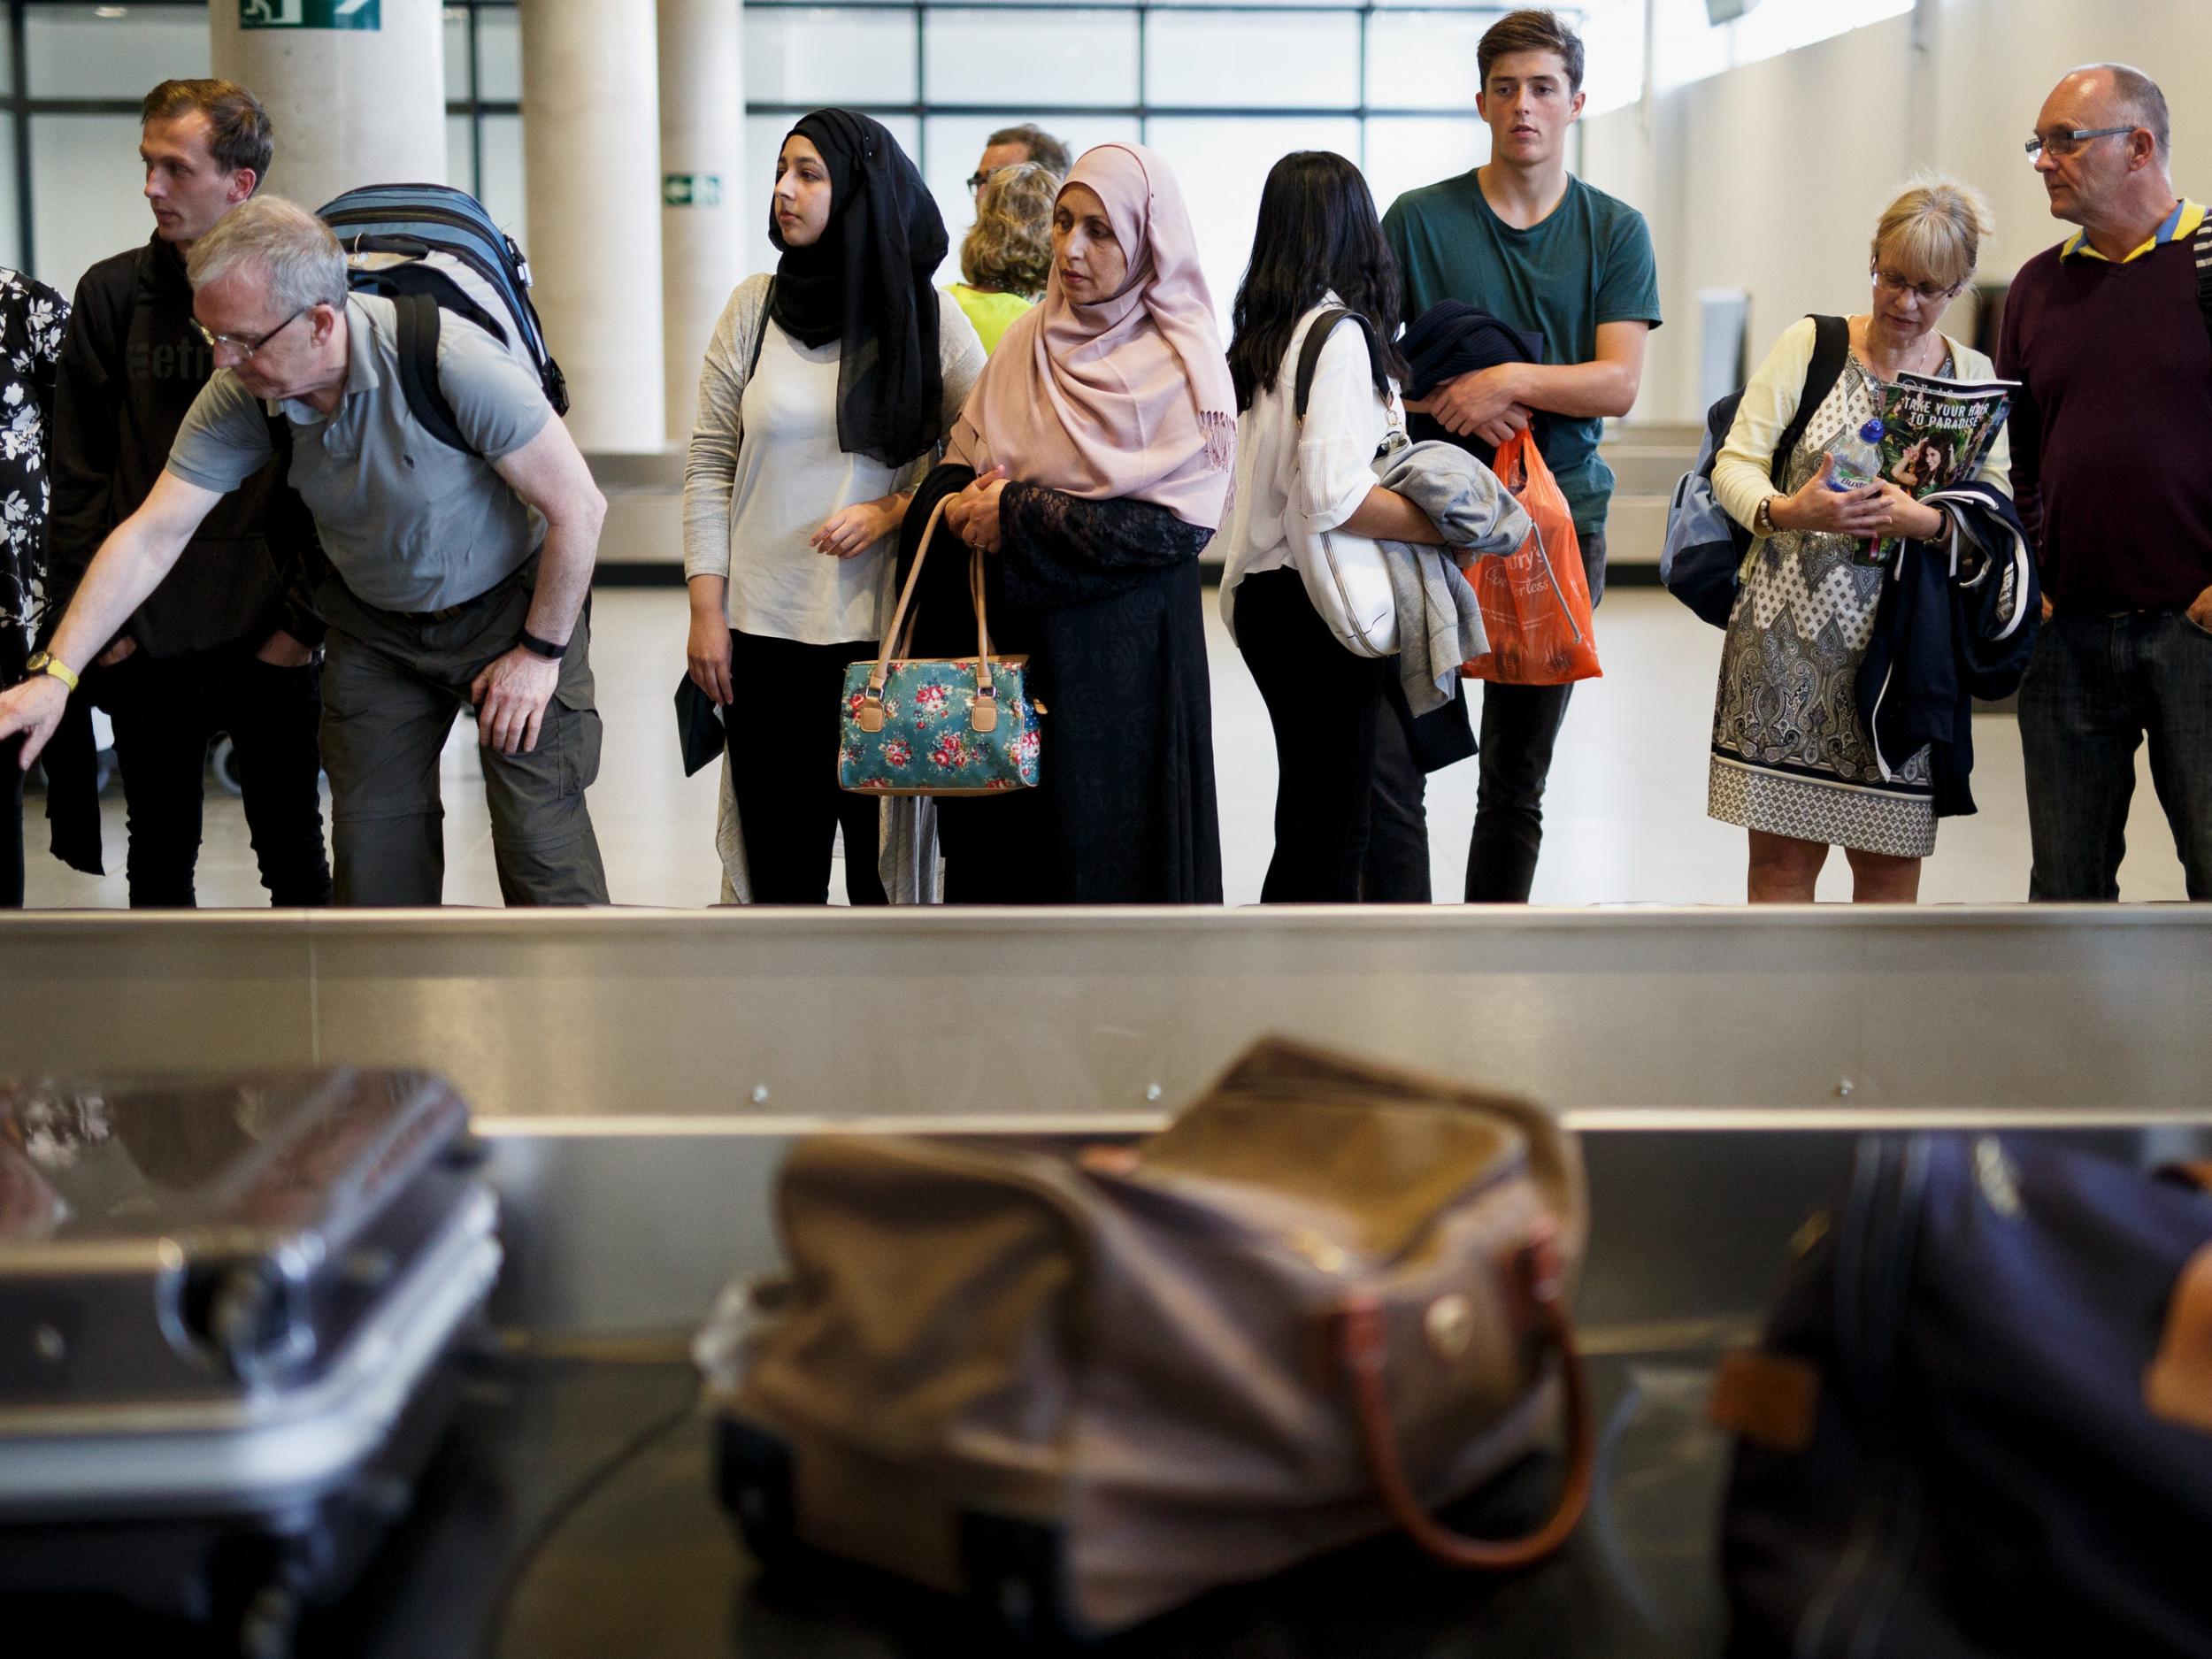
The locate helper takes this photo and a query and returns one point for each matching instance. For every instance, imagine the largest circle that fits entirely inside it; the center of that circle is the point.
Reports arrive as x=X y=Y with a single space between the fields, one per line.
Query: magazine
x=1936 y=433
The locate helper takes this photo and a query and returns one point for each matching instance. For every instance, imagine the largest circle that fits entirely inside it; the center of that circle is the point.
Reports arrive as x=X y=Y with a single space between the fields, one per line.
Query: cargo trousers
x=393 y=683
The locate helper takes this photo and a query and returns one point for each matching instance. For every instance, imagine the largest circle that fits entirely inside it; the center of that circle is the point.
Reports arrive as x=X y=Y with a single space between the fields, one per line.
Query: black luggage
x=230 y=1318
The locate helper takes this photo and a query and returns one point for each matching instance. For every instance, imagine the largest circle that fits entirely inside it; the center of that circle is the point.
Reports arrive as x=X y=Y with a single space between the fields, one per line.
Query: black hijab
x=865 y=283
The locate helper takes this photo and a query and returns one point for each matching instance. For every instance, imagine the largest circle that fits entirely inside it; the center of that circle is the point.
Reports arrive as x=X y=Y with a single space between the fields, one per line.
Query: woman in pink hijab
x=1092 y=465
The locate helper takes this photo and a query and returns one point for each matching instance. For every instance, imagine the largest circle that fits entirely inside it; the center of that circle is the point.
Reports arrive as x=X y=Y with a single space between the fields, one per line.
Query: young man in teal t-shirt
x=1546 y=253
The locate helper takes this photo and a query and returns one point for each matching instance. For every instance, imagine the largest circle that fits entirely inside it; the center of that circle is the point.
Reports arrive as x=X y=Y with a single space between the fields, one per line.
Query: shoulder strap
x=760 y=329
x=418 y=327
x=2201 y=247
x=1310 y=354
x=1832 y=347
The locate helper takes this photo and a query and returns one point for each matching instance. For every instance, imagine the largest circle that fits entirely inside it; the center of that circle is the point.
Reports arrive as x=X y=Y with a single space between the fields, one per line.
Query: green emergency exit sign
x=310 y=14
x=691 y=189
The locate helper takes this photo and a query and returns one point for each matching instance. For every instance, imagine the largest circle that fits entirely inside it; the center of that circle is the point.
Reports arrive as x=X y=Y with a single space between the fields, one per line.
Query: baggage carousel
x=639 y=1074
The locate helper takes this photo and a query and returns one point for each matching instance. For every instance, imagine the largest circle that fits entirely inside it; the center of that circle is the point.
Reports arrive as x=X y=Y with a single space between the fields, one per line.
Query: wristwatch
x=47 y=662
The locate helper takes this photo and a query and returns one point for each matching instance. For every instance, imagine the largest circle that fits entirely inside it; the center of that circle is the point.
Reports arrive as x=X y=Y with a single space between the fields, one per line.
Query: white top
x=764 y=471
x=1741 y=474
x=1320 y=471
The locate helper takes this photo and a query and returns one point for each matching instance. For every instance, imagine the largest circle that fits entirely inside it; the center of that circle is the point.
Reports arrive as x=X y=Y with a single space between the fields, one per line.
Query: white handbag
x=1346 y=579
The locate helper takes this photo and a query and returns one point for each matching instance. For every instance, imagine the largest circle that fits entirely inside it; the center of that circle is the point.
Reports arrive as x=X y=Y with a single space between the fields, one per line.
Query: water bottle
x=1857 y=457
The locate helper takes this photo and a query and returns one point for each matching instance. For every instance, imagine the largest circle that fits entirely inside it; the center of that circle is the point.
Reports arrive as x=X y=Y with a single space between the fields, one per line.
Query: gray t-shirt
x=411 y=523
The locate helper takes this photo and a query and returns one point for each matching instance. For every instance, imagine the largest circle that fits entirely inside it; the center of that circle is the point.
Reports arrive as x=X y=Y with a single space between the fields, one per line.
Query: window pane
x=1264 y=59
x=1405 y=152
x=503 y=198
x=956 y=142
x=11 y=241
x=77 y=52
x=87 y=199
x=1221 y=164
x=460 y=152
x=1613 y=41
x=458 y=88
x=829 y=57
x=763 y=139
x=499 y=54
x=1029 y=59
x=1417 y=62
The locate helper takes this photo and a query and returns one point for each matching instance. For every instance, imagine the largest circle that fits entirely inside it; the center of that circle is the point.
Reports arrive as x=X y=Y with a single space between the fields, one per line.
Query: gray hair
x=2139 y=99
x=293 y=251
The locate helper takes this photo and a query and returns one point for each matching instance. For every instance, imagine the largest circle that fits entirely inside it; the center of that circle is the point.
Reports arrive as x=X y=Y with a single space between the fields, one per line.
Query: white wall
x=1769 y=178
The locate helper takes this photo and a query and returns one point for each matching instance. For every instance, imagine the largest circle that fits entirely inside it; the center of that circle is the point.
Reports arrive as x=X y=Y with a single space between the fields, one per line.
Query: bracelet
x=1762 y=518
x=546 y=648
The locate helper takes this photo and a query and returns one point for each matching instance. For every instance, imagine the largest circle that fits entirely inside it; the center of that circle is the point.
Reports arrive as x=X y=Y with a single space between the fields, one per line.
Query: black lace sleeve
x=1059 y=549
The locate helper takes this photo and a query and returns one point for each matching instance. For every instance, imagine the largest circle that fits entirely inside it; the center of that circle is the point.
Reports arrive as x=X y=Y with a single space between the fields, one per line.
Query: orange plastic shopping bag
x=1535 y=602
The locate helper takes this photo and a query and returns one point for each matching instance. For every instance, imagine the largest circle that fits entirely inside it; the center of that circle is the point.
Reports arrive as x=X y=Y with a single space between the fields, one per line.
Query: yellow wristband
x=43 y=662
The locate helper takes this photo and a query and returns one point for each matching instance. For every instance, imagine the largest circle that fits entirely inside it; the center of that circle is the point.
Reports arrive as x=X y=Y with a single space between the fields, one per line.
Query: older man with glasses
x=458 y=577
x=2109 y=336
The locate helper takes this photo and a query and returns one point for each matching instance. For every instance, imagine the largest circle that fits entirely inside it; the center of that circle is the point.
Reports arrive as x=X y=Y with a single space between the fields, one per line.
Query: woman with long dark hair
x=1320 y=246
x=828 y=390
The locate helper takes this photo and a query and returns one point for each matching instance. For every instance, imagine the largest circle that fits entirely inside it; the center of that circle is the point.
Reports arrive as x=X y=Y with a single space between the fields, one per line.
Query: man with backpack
x=1544 y=253
x=459 y=574
x=228 y=644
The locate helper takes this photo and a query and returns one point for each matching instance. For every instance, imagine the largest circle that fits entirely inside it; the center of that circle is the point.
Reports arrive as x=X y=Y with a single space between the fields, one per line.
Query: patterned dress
x=31 y=320
x=1791 y=754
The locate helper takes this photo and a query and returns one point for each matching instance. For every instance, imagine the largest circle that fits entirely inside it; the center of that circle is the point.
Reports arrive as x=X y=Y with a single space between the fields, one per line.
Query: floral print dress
x=32 y=315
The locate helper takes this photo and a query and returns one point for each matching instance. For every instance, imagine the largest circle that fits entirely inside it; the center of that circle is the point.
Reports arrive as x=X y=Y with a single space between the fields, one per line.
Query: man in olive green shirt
x=1547 y=254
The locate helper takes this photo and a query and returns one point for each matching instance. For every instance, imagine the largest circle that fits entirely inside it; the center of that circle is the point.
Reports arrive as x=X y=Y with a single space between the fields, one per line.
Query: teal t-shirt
x=1588 y=263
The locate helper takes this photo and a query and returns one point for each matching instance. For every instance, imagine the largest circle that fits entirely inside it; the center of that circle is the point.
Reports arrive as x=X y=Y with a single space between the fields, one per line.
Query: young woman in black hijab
x=828 y=390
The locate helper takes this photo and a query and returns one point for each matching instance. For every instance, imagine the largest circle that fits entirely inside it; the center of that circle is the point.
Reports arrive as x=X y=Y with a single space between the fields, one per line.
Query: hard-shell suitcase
x=229 y=1318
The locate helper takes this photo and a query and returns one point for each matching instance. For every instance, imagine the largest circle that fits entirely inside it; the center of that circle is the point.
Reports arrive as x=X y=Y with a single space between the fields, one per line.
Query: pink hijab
x=1130 y=397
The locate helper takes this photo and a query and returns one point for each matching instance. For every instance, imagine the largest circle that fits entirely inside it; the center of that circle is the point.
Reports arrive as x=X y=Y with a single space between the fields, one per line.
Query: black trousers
x=10 y=825
x=1322 y=702
x=783 y=735
x=1519 y=730
x=166 y=712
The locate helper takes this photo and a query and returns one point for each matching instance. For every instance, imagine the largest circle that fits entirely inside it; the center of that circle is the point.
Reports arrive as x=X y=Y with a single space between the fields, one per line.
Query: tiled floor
x=1625 y=814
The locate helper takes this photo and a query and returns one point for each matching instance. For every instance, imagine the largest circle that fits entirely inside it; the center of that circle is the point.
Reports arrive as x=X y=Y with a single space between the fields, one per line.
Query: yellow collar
x=2181 y=222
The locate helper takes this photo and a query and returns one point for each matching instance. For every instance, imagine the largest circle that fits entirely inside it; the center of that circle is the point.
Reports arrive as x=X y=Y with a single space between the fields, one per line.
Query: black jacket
x=1957 y=621
x=1453 y=338
x=131 y=367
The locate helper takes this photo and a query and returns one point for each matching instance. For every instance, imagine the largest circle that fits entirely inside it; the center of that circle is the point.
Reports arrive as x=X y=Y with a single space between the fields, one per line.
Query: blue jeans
x=2096 y=686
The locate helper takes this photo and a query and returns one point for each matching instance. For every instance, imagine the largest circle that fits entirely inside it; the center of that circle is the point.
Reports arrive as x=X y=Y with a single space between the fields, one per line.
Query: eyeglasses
x=247 y=345
x=977 y=181
x=2067 y=141
x=1929 y=291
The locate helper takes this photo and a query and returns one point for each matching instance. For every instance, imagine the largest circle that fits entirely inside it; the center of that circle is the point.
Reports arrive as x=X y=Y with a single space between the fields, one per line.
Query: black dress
x=1104 y=599
x=31 y=320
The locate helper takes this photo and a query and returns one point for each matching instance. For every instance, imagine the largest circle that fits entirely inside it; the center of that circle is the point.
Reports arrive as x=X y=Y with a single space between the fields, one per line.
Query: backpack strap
x=1310 y=355
x=419 y=370
x=1831 y=350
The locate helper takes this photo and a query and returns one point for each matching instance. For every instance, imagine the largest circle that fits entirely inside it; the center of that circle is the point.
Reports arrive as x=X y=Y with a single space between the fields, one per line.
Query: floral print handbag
x=937 y=726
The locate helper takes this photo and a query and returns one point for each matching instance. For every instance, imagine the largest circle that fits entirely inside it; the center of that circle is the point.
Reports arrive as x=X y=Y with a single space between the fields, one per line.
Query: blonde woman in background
x=1007 y=254
x=1791 y=759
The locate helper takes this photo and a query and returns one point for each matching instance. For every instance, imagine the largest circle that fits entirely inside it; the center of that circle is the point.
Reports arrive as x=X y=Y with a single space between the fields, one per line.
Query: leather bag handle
x=899 y=637
x=1362 y=1341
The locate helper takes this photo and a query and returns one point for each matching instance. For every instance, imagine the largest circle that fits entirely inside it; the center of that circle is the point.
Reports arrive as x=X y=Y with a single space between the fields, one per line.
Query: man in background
x=2112 y=427
x=225 y=644
x=1011 y=146
x=1523 y=239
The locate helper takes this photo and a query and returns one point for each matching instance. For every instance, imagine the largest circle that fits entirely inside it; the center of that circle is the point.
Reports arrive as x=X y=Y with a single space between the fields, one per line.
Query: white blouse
x=1320 y=470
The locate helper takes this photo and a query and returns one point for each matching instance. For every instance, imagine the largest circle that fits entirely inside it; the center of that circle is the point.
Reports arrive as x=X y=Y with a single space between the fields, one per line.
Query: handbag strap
x=1362 y=1338
x=898 y=638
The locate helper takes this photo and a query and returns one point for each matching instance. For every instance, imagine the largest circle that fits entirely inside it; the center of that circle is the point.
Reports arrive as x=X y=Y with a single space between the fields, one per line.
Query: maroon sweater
x=2112 y=427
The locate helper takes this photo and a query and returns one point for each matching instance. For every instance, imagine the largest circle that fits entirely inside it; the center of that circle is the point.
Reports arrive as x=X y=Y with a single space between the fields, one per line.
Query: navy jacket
x=1957 y=621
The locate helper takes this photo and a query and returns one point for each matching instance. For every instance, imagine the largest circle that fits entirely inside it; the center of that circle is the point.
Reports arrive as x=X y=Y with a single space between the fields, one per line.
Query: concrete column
x=703 y=166
x=351 y=106
x=591 y=160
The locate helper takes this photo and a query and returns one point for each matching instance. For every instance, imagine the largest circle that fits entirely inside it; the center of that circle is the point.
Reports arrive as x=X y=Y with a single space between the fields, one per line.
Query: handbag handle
x=1362 y=1341
x=898 y=638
